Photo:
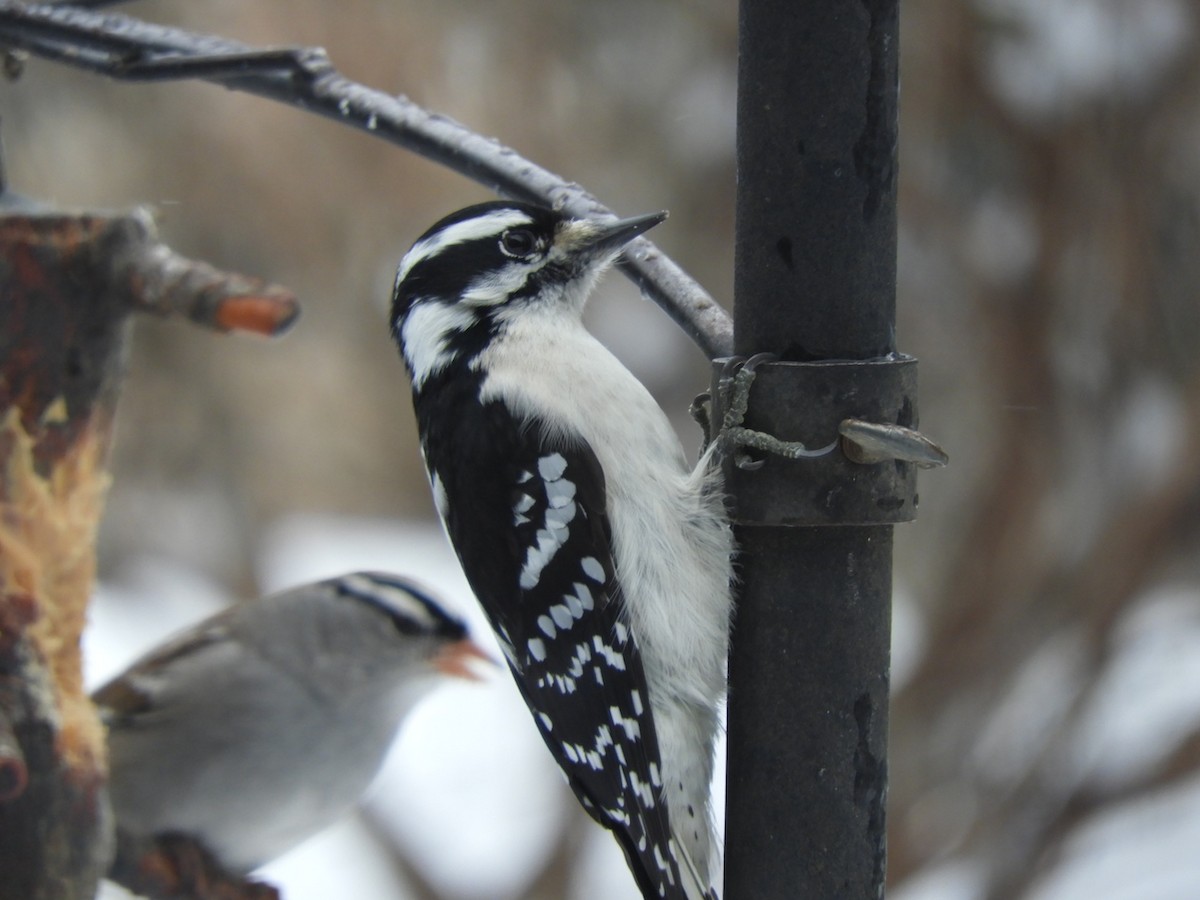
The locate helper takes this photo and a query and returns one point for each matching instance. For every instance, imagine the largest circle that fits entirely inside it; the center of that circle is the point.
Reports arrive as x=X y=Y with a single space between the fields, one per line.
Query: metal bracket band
x=810 y=402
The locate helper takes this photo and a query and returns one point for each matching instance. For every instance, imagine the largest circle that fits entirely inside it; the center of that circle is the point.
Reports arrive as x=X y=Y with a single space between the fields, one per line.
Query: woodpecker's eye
x=518 y=242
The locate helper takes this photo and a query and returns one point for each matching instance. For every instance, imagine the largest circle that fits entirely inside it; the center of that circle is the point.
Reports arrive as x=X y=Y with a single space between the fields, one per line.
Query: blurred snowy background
x=1046 y=719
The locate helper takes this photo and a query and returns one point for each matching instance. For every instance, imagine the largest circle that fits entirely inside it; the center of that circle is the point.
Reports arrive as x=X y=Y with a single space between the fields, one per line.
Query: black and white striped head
x=387 y=621
x=411 y=608
x=481 y=267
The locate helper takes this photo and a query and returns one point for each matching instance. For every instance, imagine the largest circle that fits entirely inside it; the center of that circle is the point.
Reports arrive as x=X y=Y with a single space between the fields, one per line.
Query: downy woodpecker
x=601 y=560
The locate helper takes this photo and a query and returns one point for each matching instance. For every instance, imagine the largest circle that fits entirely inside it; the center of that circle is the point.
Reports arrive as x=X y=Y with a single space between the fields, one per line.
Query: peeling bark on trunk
x=68 y=283
x=62 y=333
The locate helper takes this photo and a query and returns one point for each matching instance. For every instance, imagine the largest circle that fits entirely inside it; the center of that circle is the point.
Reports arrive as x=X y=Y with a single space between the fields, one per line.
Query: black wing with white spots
x=528 y=520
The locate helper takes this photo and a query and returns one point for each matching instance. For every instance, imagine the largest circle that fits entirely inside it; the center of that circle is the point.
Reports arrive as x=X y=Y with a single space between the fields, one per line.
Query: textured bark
x=68 y=284
x=62 y=330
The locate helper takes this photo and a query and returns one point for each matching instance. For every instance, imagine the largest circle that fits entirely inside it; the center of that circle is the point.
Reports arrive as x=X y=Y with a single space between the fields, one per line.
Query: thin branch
x=125 y=48
x=162 y=282
x=86 y=4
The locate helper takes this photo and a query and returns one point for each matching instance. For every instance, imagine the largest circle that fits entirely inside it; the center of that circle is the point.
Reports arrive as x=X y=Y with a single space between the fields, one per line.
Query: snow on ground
x=1141 y=850
x=344 y=860
x=909 y=633
x=1148 y=698
x=957 y=880
x=1145 y=702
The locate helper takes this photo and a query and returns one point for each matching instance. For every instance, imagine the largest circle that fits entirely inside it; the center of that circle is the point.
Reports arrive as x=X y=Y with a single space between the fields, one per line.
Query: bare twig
x=162 y=282
x=86 y=4
x=125 y=48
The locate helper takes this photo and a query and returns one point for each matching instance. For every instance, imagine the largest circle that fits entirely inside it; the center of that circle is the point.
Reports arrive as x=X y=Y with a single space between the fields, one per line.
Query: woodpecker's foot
x=701 y=413
x=734 y=385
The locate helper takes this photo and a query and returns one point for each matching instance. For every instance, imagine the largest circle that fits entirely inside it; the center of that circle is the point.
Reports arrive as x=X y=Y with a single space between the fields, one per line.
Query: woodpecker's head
x=484 y=265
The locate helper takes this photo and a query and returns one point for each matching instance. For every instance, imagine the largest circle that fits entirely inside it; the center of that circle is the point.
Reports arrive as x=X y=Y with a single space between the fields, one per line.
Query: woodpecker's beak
x=458 y=659
x=605 y=237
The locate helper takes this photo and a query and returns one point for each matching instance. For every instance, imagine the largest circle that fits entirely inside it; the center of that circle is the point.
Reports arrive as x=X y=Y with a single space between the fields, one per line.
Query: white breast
x=671 y=545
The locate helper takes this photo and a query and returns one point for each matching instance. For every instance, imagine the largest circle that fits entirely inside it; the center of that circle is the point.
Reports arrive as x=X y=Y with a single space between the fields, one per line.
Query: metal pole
x=815 y=282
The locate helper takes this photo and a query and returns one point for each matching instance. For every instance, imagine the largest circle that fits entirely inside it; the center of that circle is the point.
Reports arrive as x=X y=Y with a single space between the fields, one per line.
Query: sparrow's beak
x=460 y=658
x=598 y=238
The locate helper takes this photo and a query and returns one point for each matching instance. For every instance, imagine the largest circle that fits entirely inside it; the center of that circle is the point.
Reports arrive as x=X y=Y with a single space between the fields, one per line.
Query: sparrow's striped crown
x=412 y=608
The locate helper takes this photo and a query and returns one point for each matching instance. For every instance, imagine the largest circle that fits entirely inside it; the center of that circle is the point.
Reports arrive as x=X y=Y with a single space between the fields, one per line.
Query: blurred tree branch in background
x=1075 y=261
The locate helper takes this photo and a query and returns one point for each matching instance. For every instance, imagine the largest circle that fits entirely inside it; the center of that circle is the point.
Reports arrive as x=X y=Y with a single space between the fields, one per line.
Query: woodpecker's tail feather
x=694 y=884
